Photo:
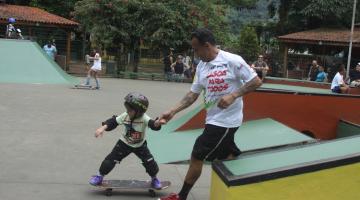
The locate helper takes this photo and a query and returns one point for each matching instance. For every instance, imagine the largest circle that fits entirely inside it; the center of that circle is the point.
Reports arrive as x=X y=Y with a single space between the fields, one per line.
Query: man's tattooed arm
x=248 y=87
x=188 y=99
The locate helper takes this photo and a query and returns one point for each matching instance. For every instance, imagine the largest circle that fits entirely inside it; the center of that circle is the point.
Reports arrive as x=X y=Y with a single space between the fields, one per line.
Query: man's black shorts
x=215 y=143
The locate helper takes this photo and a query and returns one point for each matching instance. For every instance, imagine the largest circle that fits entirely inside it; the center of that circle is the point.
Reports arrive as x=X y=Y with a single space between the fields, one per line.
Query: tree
x=58 y=7
x=298 y=15
x=248 y=44
x=158 y=24
x=19 y=2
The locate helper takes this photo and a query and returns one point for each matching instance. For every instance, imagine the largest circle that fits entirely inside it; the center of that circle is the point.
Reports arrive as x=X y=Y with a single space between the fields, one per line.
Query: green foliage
x=297 y=15
x=18 y=2
x=57 y=7
x=158 y=24
x=248 y=44
x=241 y=3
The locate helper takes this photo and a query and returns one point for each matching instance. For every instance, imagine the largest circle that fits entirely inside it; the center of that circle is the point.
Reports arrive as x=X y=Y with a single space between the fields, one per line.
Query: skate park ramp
x=171 y=146
x=24 y=61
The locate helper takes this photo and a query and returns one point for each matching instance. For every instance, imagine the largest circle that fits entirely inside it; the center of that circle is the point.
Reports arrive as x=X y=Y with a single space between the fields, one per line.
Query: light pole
x=351 y=39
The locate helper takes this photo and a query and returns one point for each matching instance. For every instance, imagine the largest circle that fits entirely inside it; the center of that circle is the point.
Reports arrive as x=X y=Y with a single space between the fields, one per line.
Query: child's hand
x=157 y=123
x=100 y=131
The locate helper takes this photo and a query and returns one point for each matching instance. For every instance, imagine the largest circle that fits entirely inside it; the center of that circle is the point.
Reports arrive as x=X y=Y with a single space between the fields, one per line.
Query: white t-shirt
x=50 y=51
x=97 y=63
x=337 y=81
x=135 y=136
x=223 y=75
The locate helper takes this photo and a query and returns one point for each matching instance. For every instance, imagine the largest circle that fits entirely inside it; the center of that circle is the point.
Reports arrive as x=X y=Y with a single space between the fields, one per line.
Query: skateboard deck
x=110 y=185
x=89 y=87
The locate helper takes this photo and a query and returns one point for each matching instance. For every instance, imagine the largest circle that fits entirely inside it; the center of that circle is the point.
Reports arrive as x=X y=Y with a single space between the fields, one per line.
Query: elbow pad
x=111 y=123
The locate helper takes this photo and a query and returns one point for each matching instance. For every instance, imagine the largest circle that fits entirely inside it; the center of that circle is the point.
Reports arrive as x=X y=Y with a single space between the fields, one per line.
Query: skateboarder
x=95 y=69
x=132 y=140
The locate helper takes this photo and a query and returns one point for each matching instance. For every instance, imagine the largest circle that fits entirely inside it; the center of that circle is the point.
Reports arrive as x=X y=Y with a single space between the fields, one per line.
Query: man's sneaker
x=96 y=180
x=156 y=183
x=172 y=196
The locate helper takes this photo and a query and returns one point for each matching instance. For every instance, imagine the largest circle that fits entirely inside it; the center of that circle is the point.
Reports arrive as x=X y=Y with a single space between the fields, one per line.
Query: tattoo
x=189 y=99
x=249 y=86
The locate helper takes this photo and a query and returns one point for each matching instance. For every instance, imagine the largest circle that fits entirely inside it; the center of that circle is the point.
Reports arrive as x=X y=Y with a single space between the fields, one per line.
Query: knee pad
x=106 y=166
x=151 y=166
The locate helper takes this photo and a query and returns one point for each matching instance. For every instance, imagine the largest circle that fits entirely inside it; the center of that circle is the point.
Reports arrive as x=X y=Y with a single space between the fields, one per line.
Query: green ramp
x=252 y=135
x=24 y=61
x=173 y=125
x=300 y=89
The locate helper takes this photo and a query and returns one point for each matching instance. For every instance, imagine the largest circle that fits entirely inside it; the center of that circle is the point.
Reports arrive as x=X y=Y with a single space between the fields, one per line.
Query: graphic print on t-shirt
x=216 y=83
x=132 y=136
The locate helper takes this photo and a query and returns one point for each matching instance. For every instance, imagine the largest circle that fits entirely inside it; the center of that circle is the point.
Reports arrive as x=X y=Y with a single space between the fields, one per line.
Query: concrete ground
x=48 y=149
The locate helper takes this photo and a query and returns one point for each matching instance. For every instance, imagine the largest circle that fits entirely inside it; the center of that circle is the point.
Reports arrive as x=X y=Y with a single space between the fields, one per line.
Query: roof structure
x=323 y=36
x=31 y=15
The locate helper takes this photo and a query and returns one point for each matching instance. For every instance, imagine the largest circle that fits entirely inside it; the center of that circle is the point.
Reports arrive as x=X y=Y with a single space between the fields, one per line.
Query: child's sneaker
x=156 y=183
x=96 y=180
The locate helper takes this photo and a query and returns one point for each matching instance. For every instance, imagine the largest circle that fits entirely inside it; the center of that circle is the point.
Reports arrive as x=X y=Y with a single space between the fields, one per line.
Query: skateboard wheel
x=108 y=192
x=152 y=193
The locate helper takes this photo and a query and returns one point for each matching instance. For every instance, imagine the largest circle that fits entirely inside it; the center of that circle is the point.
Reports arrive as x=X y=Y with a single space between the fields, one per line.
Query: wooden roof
x=33 y=16
x=323 y=36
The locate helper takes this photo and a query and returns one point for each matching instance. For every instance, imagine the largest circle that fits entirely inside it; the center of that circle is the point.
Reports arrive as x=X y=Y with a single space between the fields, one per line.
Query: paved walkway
x=47 y=146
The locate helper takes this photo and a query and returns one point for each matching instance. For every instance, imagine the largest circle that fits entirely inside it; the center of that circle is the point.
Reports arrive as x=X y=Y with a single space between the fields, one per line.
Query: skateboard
x=110 y=185
x=89 y=87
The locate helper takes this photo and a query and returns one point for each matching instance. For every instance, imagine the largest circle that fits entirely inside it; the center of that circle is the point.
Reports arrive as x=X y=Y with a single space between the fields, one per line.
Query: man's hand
x=226 y=101
x=166 y=116
x=100 y=131
x=250 y=86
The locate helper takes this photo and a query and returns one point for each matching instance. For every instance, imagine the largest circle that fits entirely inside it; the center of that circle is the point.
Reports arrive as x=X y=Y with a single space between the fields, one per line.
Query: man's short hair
x=204 y=35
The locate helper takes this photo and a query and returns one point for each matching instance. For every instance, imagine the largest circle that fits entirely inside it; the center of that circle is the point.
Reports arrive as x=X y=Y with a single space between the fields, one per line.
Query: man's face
x=199 y=49
x=357 y=68
x=314 y=63
x=260 y=58
x=179 y=60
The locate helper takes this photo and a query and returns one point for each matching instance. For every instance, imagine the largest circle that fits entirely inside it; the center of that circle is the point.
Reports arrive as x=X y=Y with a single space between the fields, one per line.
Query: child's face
x=130 y=112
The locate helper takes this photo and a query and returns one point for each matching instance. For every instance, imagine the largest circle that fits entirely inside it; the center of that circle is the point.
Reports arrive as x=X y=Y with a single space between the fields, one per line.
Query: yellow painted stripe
x=341 y=183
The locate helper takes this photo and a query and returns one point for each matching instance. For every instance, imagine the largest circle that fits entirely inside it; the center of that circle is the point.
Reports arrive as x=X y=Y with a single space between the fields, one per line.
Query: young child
x=132 y=140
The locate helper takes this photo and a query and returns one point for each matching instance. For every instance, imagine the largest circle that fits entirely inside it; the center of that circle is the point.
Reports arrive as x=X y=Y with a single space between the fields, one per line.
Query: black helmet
x=138 y=102
x=11 y=20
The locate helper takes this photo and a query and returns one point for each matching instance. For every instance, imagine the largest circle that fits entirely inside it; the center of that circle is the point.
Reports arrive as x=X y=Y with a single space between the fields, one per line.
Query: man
x=313 y=71
x=179 y=68
x=322 y=75
x=355 y=76
x=338 y=84
x=11 y=31
x=225 y=78
x=50 y=50
x=261 y=67
x=168 y=61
